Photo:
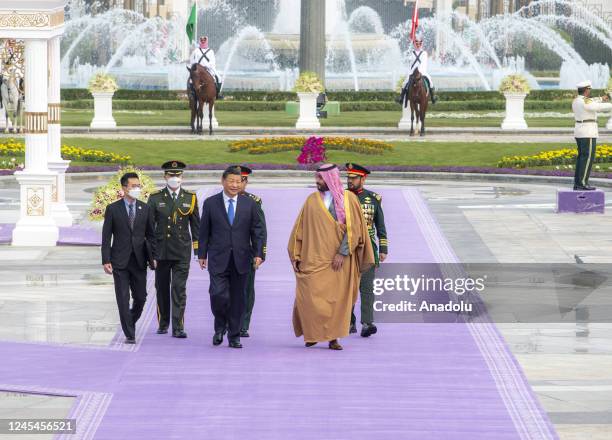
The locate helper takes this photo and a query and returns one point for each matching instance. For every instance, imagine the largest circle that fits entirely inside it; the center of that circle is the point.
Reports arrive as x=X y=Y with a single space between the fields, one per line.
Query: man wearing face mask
x=128 y=243
x=176 y=218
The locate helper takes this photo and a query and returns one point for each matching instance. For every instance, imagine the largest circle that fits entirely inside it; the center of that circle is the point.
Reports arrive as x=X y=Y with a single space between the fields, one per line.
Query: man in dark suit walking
x=127 y=245
x=231 y=242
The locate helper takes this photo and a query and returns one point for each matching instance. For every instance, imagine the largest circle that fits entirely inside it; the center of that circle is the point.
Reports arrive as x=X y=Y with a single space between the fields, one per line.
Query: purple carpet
x=76 y=235
x=410 y=381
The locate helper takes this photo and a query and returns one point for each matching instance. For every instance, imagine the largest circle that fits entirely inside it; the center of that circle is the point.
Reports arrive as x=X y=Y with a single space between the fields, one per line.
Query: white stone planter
x=404 y=123
x=515 y=112
x=308 y=111
x=103 y=110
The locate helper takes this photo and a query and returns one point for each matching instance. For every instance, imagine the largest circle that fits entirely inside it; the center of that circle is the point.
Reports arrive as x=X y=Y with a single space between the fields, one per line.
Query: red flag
x=415 y=20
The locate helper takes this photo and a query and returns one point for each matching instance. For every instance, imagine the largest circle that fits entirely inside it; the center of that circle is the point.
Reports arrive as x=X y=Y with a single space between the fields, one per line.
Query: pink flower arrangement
x=313 y=151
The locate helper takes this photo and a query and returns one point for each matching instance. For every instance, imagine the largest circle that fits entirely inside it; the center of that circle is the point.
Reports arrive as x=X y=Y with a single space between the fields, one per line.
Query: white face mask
x=174 y=182
x=134 y=193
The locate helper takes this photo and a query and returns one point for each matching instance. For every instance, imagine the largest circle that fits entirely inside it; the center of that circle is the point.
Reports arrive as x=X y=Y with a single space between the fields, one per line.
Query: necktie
x=131 y=215
x=230 y=211
x=174 y=197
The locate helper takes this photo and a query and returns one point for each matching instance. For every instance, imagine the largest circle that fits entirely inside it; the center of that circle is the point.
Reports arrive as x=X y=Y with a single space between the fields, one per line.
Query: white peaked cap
x=584 y=84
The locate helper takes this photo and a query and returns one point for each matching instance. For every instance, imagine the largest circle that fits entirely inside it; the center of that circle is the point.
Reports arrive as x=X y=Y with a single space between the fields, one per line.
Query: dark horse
x=204 y=92
x=418 y=100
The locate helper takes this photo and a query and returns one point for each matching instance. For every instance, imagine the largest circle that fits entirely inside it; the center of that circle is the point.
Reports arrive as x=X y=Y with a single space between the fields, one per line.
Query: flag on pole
x=415 y=20
x=191 y=23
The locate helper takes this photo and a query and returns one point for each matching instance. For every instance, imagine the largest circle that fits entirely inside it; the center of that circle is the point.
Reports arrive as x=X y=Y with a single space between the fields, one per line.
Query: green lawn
x=151 y=152
x=72 y=117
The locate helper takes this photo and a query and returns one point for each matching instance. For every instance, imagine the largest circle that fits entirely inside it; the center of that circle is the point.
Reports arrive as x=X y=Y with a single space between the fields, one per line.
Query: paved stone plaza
x=60 y=296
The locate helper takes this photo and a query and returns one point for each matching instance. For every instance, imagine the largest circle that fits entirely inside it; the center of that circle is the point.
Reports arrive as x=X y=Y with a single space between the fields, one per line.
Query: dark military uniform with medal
x=250 y=288
x=371 y=206
x=177 y=222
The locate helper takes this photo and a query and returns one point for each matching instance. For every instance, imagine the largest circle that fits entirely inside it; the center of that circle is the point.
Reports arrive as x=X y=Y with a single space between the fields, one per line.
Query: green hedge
x=490 y=104
x=369 y=96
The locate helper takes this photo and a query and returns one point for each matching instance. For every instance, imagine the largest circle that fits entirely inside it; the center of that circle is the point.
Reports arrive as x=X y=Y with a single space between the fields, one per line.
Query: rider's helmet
x=418 y=37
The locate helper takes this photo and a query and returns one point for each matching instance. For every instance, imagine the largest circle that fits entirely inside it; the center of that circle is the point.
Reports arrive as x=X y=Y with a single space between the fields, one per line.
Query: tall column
x=35 y=227
x=59 y=210
x=312 y=37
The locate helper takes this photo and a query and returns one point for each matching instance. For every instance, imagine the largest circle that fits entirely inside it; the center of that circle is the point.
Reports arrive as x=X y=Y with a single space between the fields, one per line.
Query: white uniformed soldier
x=585 y=111
x=205 y=56
x=419 y=58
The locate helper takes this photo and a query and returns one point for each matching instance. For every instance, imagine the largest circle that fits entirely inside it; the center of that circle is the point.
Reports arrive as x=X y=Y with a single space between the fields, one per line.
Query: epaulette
x=254 y=197
x=587 y=100
x=155 y=192
x=376 y=196
x=189 y=192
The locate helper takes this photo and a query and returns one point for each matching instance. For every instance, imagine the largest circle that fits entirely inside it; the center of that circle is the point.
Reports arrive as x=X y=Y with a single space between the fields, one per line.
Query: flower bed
x=12 y=147
x=565 y=156
x=295 y=143
x=111 y=192
x=11 y=164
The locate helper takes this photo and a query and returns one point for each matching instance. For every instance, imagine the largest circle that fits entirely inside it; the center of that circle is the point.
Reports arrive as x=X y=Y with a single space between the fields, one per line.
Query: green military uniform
x=250 y=288
x=177 y=223
x=371 y=206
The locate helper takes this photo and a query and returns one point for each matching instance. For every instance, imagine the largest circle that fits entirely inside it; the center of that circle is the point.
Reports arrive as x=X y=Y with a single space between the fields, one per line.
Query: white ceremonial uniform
x=199 y=55
x=585 y=115
x=586 y=132
x=418 y=58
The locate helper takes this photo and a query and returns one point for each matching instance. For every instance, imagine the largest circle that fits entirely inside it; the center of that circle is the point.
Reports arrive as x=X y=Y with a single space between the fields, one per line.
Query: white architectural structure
x=39 y=23
x=308 y=111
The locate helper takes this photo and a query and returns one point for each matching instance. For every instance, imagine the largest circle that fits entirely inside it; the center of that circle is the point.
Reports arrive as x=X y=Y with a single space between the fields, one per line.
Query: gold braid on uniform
x=191 y=208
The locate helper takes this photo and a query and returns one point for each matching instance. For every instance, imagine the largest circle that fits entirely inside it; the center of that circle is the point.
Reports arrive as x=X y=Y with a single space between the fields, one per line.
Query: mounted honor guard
x=418 y=59
x=205 y=56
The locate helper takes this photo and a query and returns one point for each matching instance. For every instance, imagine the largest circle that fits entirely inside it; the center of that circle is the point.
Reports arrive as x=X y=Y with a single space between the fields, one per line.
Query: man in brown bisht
x=329 y=248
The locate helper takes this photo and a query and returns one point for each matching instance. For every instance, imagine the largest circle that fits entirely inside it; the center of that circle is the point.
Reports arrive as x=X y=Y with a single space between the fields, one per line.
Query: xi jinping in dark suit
x=231 y=233
x=128 y=244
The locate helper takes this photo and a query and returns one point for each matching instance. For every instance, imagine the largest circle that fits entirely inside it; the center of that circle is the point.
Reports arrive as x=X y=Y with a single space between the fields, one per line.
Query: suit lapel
x=123 y=212
x=223 y=210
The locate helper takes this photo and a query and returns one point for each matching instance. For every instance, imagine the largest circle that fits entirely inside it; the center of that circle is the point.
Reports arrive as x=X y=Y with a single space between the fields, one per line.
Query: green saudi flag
x=191 y=23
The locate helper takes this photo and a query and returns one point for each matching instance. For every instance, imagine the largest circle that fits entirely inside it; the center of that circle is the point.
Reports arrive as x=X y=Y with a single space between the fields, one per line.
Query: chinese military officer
x=177 y=223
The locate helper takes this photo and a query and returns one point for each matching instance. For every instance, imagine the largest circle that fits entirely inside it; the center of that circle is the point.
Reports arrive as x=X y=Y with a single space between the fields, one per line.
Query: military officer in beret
x=250 y=288
x=371 y=206
x=177 y=223
x=585 y=111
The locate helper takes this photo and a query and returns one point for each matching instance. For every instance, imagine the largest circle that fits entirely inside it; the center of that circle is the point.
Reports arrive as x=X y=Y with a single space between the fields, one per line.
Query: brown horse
x=418 y=101
x=205 y=93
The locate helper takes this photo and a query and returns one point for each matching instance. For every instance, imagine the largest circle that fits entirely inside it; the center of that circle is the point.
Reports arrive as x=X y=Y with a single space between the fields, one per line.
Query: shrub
x=111 y=192
x=514 y=84
x=102 y=82
x=13 y=147
x=308 y=82
x=565 y=156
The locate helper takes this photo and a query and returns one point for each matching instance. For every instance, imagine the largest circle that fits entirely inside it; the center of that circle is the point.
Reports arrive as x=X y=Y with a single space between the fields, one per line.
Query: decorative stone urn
x=308 y=111
x=103 y=110
x=515 y=111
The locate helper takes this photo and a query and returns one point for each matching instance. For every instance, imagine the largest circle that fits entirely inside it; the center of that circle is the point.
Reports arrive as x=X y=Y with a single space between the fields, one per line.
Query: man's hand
x=605 y=98
x=296 y=265
x=337 y=262
x=202 y=263
x=257 y=261
x=108 y=268
x=382 y=257
x=154 y=264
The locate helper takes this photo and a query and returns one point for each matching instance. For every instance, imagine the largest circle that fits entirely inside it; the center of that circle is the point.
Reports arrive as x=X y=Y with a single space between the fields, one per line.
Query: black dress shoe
x=130 y=340
x=368 y=330
x=310 y=344
x=218 y=338
x=162 y=331
x=179 y=334
x=584 y=188
x=235 y=344
x=353 y=328
x=334 y=345
x=244 y=334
